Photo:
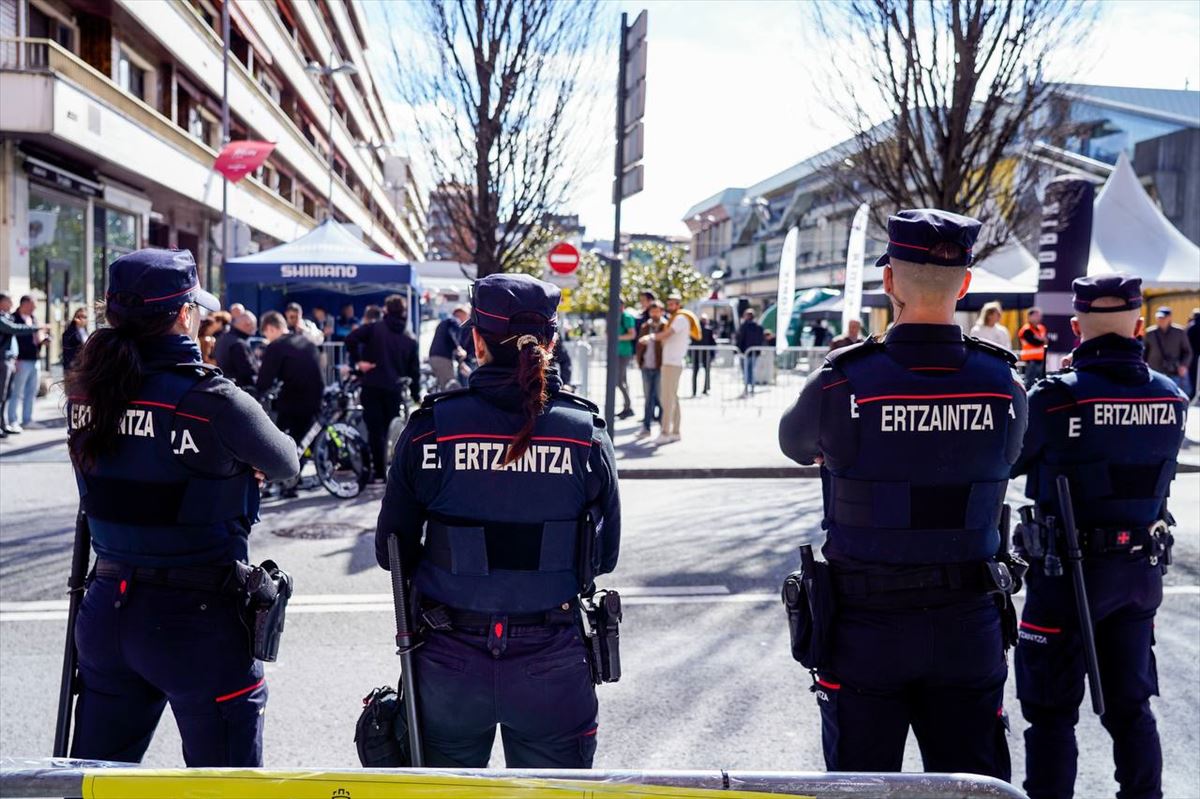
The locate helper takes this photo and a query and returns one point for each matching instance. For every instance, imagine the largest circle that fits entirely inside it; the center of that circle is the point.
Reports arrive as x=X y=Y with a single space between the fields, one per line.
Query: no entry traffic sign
x=563 y=258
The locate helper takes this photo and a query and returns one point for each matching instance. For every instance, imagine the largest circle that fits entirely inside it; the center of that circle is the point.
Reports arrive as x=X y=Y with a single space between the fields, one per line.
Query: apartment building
x=110 y=121
x=739 y=232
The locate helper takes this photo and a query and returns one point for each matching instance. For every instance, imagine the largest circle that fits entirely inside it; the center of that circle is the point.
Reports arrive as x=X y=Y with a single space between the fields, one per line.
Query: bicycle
x=338 y=452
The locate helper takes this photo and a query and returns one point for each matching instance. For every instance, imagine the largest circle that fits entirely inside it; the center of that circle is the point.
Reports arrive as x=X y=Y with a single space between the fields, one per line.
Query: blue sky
x=731 y=97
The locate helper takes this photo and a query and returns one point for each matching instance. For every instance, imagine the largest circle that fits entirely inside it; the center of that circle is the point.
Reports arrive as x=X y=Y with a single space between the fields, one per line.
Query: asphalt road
x=708 y=678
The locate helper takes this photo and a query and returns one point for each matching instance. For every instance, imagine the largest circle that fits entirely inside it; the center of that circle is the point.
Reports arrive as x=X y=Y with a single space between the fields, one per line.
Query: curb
x=763 y=472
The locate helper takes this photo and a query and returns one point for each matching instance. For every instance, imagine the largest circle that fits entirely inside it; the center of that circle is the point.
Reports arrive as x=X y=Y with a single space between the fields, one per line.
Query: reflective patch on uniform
x=1129 y=414
x=957 y=416
x=472 y=456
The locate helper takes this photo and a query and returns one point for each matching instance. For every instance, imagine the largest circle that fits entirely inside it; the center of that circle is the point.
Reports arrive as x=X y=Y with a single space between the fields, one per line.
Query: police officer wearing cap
x=499 y=478
x=1114 y=427
x=916 y=434
x=165 y=451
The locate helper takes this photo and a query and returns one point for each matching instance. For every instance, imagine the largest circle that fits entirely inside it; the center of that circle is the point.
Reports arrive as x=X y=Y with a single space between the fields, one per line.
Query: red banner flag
x=240 y=158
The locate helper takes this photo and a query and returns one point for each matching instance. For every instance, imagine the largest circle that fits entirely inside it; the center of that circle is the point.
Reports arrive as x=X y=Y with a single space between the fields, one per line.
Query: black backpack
x=381 y=734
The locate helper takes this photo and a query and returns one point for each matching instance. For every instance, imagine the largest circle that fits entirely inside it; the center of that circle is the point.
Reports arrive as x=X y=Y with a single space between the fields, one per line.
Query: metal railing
x=33 y=778
x=42 y=55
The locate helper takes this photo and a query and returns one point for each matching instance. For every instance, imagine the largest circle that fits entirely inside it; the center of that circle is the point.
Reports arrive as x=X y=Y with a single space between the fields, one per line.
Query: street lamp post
x=328 y=72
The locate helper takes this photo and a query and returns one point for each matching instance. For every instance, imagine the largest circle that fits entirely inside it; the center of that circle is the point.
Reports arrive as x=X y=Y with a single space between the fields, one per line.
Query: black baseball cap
x=1121 y=285
x=156 y=281
x=495 y=299
x=913 y=233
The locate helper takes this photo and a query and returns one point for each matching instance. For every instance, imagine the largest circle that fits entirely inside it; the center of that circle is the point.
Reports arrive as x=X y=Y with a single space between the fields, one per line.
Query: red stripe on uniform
x=461 y=436
x=190 y=416
x=833 y=686
x=424 y=435
x=494 y=316
x=153 y=404
x=1113 y=399
x=838 y=383
x=1052 y=630
x=242 y=692
x=932 y=396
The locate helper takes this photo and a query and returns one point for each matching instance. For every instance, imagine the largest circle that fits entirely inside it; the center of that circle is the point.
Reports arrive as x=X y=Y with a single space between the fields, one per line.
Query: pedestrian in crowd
x=390 y=353
x=626 y=338
x=232 y=351
x=10 y=331
x=1168 y=350
x=702 y=357
x=1119 y=498
x=356 y=342
x=676 y=337
x=749 y=336
x=725 y=328
x=988 y=328
x=853 y=335
x=820 y=333
x=649 y=360
x=509 y=652
x=561 y=360
x=1033 y=339
x=446 y=351
x=1193 y=336
x=27 y=376
x=296 y=323
x=293 y=360
x=344 y=323
x=916 y=435
x=74 y=336
x=211 y=328
x=236 y=310
x=646 y=299
x=322 y=322
x=164 y=617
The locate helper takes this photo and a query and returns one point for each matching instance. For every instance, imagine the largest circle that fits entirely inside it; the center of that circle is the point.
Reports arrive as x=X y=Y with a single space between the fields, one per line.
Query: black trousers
x=7 y=366
x=380 y=407
x=702 y=360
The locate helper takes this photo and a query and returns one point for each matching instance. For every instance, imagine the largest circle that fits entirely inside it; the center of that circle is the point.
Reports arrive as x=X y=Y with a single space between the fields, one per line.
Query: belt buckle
x=1158 y=533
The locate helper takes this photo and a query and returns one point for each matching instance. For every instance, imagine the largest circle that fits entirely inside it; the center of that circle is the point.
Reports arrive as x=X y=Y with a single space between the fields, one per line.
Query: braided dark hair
x=529 y=353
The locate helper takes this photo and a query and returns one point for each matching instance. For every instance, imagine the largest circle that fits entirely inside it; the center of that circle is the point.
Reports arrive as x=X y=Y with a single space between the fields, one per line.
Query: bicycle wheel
x=341 y=457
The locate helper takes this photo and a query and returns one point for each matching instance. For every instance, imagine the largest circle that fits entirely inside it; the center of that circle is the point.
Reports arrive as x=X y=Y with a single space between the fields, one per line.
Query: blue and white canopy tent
x=326 y=267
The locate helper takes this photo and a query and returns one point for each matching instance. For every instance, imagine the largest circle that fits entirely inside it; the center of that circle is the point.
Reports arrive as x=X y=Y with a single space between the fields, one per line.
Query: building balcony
x=50 y=93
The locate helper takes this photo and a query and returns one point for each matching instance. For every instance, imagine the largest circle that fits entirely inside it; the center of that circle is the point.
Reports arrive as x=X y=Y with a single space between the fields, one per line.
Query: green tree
x=654 y=267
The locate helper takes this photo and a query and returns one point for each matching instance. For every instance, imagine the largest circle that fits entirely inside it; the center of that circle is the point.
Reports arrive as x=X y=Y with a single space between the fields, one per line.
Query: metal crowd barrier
x=91 y=780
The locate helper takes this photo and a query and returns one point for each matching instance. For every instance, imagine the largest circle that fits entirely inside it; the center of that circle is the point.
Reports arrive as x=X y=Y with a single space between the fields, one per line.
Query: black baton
x=405 y=643
x=1075 y=558
x=81 y=557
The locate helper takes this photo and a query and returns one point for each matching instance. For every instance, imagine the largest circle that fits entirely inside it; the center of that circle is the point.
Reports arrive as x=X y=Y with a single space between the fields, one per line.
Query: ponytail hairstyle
x=107 y=376
x=529 y=352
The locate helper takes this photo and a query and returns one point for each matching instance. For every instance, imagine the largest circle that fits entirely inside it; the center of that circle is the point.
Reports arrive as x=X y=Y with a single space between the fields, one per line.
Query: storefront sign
x=60 y=178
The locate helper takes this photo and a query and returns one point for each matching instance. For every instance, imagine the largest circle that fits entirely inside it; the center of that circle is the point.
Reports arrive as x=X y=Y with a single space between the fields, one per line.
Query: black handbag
x=381 y=733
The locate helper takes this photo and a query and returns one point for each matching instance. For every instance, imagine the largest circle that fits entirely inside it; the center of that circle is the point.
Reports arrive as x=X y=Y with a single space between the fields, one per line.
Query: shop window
x=57 y=246
x=114 y=233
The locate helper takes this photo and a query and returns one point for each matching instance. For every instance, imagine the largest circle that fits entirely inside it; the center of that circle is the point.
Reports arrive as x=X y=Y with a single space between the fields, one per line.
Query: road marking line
x=56 y=610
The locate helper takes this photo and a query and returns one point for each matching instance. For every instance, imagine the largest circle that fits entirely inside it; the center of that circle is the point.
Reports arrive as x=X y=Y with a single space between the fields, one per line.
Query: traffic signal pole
x=613 y=327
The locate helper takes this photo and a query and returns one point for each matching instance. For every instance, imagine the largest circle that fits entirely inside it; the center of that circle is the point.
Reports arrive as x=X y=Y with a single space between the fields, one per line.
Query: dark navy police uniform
x=497 y=574
x=918 y=433
x=170 y=509
x=1113 y=427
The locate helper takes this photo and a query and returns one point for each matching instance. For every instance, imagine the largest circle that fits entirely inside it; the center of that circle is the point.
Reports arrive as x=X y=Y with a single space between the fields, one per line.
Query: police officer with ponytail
x=165 y=452
x=916 y=434
x=512 y=485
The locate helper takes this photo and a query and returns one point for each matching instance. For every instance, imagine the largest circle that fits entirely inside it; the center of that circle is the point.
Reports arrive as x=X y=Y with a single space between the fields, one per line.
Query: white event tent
x=1130 y=234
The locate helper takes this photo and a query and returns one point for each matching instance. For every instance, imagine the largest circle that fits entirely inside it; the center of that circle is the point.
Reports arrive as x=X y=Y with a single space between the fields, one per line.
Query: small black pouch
x=808 y=598
x=381 y=732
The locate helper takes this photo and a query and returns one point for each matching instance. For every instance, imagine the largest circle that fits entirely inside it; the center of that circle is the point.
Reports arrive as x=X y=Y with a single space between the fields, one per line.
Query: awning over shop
x=1130 y=234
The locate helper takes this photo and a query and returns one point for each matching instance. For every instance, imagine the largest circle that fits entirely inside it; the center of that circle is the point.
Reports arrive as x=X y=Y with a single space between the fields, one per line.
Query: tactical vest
x=927 y=466
x=505 y=538
x=144 y=505
x=1117 y=445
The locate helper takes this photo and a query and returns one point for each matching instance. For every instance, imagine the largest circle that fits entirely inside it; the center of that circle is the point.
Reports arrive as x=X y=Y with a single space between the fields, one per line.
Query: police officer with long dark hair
x=165 y=453
x=498 y=477
x=916 y=435
x=1113 y=427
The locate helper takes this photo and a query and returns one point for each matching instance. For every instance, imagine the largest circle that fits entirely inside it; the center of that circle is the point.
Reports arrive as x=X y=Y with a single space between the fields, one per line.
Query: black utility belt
x=217 y=579
x=985 y=577
x=1154 y=541
x=444 y=618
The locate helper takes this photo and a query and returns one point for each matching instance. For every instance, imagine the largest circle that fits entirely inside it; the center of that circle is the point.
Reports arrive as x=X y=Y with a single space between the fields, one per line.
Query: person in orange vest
x=1032 y=337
